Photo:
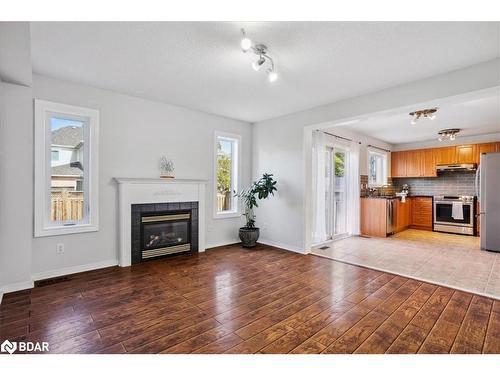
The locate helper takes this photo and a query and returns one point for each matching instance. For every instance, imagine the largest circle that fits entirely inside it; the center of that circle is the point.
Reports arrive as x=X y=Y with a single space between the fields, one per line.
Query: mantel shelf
x=141 y=180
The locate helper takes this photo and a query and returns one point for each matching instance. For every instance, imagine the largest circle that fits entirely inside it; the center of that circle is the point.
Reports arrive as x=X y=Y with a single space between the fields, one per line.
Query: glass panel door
x=336 y=192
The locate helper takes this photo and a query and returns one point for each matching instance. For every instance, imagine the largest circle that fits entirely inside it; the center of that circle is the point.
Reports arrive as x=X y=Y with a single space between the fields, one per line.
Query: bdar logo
x=9 y=347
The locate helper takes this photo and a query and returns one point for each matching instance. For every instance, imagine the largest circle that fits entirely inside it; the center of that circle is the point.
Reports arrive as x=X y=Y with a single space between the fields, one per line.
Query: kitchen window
x=226 y=174
x=377 y=168
x=66 y=169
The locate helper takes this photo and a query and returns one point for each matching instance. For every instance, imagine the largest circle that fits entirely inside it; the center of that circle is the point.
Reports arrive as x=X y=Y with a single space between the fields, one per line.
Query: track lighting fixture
x=263 y=59
x=448 y=134
x=429 y=113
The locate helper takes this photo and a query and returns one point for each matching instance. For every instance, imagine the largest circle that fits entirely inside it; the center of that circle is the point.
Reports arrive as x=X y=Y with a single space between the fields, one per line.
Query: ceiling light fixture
x=429 y=113
x=263 y=56
x=448 y=134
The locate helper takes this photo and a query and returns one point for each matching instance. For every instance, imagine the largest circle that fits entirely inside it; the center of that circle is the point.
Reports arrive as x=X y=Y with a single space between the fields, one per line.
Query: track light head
x=272 y=75
x=256 y=65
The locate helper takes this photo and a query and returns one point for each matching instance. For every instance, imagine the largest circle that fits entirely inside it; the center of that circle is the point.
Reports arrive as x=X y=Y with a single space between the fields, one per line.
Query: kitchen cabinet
x=421 y=213
x=398 y=164
x=466 y=154
x=428 y=163
x=373 y=217
x=445 y=155
x=486 y=147
x=402 y=214
x=414 y=163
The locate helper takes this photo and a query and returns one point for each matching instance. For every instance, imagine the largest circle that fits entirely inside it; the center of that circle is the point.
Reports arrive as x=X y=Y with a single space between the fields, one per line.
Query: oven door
x=442 y=214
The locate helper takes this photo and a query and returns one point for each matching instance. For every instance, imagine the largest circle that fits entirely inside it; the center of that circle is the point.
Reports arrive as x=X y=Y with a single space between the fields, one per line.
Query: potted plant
x=261 y=189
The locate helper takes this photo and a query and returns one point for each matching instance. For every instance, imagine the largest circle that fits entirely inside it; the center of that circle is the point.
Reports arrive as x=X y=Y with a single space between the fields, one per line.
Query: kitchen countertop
x=393 y=196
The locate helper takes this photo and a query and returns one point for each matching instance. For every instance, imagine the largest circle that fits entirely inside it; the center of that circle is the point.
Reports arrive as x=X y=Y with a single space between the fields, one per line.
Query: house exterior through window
x=65 y=169
x=377 y=168
x=226 y=174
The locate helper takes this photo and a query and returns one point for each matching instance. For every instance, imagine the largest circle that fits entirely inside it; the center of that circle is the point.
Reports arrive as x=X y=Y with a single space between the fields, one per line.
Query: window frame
x=385 y=167
x=42 y=154
x=236 y=168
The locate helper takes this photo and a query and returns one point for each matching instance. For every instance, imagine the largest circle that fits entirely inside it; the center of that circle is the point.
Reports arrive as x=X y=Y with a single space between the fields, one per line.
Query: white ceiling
x=200 y=65
x=475 y=114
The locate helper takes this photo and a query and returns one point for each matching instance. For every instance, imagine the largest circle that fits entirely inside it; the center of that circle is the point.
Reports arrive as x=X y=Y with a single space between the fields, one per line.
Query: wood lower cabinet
x=421 y=213
x=373 y=217
x=402 y=213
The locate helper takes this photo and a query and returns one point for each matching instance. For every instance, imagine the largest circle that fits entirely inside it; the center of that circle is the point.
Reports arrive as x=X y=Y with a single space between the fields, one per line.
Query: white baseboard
x=16 y=287
x=223 y=243
x=74 y=269
x=284 y=246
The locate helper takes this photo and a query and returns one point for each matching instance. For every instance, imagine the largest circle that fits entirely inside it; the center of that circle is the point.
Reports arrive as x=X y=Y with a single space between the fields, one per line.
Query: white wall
x=280 y=144
x=16 y=186
x=16 y=157
x=134 y=133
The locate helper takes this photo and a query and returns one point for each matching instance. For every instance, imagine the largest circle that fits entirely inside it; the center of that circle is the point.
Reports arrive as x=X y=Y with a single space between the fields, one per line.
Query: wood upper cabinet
x=445 y=155
x=466 y=154
x=486 y=147
x=428 y=163
x=421 y=213
x=414 y=163
x=422 y=163
x=398 y=163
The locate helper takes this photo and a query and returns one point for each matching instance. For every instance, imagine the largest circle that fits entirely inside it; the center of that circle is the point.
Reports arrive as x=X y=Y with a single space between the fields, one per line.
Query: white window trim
x=43 y=227
x=385 y=155
x=236 y=171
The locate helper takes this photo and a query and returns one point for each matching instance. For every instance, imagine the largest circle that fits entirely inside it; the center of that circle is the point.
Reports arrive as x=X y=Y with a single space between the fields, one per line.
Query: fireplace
x=163 y=229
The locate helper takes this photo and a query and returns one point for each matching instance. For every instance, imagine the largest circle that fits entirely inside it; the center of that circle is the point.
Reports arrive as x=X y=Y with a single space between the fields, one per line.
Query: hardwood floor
x=265 y=300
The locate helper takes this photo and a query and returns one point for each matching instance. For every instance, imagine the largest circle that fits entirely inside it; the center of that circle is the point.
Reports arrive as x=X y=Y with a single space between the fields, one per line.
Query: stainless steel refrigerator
x=488 y=189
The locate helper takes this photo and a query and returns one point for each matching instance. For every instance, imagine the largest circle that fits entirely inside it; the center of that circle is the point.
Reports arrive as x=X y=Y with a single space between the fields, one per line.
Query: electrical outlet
x=60 y=248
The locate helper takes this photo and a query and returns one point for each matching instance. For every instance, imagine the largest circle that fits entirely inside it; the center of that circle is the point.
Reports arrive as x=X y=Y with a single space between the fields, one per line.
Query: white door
x=336 y=192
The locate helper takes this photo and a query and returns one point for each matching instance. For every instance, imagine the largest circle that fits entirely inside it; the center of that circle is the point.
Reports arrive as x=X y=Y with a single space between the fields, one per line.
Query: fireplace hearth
x=163 y=229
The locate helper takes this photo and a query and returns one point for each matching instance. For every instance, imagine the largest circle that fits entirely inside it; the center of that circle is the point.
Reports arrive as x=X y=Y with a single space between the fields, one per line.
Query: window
x=226 y=177
x=66 y=169
x=377 y=168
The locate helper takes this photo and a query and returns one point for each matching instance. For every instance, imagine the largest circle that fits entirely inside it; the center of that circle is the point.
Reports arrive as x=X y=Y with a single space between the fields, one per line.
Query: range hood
x=456 y=167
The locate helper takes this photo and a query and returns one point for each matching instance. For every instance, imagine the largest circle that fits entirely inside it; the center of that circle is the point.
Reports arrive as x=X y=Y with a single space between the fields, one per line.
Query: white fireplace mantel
x=155 y=190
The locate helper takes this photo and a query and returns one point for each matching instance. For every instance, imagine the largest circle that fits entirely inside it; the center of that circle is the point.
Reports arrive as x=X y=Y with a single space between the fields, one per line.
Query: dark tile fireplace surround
x=163 y=229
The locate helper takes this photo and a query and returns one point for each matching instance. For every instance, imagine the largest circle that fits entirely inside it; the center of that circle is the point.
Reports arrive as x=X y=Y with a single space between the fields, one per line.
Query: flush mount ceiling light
x=263 y=58
x=429 y=113
x=448 y=134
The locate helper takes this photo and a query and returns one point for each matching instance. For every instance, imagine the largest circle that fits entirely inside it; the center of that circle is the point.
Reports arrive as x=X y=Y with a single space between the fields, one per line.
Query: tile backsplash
x=388 y=189
x=447 y=183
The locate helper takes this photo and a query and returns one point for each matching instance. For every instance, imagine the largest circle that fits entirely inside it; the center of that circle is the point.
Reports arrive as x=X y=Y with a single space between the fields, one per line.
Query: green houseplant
x=261 y=189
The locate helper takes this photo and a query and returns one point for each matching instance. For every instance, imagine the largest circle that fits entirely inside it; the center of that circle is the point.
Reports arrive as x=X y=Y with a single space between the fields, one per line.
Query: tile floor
x=445 y=259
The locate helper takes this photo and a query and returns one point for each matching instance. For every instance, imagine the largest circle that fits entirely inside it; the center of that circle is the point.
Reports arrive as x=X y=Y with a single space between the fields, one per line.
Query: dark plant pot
x=249 y=236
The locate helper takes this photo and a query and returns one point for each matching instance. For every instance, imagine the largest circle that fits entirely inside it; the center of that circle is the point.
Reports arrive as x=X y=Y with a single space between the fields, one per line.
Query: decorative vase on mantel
x=166 y=167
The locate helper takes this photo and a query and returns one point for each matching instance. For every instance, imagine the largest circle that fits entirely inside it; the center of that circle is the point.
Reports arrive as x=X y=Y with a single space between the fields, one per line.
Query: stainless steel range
x=454 y=214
